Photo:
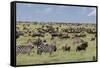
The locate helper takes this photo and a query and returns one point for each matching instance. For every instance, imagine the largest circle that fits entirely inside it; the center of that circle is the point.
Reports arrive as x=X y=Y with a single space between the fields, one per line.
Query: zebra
x=46 y=48
x=24 y=49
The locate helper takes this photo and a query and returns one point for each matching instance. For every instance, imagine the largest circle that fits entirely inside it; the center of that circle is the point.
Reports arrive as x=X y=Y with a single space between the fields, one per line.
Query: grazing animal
x=80 y=35
x=46 y=48
x=19 y=33
x=93 y=38
x=66 y=48
x=90 y=31
x=23 y=49
x=64 y=36
x=53 y=45
x=78 y=40
x=83 y=46
x=38 y=42
x=37 y=34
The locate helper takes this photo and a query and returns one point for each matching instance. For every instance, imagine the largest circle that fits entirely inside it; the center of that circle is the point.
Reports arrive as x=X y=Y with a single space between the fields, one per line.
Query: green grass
x=58 y=56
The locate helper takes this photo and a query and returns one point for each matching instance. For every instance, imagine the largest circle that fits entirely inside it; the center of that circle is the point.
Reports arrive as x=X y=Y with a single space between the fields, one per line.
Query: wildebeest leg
x=69 y=49
x=55 y=49
x=84 y=49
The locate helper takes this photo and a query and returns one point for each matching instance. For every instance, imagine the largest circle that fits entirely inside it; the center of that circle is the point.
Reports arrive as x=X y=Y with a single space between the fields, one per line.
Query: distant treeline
x=54 y=22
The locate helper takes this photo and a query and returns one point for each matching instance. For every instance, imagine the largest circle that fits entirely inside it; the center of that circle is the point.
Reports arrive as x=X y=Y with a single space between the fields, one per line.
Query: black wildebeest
x=93 y=38
x=19 y=33
x=80 y=35
x=91 y=31
x=24 y=49
x=64 y=35
x=82 y=46
x=37 y=34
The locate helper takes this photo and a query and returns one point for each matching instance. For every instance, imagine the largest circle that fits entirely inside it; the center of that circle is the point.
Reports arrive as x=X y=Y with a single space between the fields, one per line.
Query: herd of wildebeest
x=75 y=31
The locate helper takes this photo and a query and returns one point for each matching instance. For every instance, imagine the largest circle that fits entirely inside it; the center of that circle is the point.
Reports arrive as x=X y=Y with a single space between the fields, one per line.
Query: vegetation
x=59 y=56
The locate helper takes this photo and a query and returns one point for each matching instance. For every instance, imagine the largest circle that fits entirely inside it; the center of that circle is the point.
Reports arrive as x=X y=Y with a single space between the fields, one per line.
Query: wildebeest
x=91 y=31
x=64 y=35
x=72 y=30
x=66 y=48
x=19 y=33
x=93 y=38
x=80 y=35
x=78 y=40
x=49 y=29
x=82 y=46
x=23 y=49
x=37 y=34
x=56 y=34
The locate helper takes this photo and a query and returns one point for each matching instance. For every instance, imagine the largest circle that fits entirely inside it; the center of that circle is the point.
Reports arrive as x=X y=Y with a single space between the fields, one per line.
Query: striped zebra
x=24 y=49
x=46 y=48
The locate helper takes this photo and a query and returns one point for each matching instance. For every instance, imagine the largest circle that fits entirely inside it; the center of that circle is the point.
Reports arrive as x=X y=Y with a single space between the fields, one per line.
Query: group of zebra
x=41 y=46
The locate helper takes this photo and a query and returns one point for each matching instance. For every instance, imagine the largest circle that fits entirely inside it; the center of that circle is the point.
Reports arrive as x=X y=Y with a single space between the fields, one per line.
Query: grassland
x=59 y=56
